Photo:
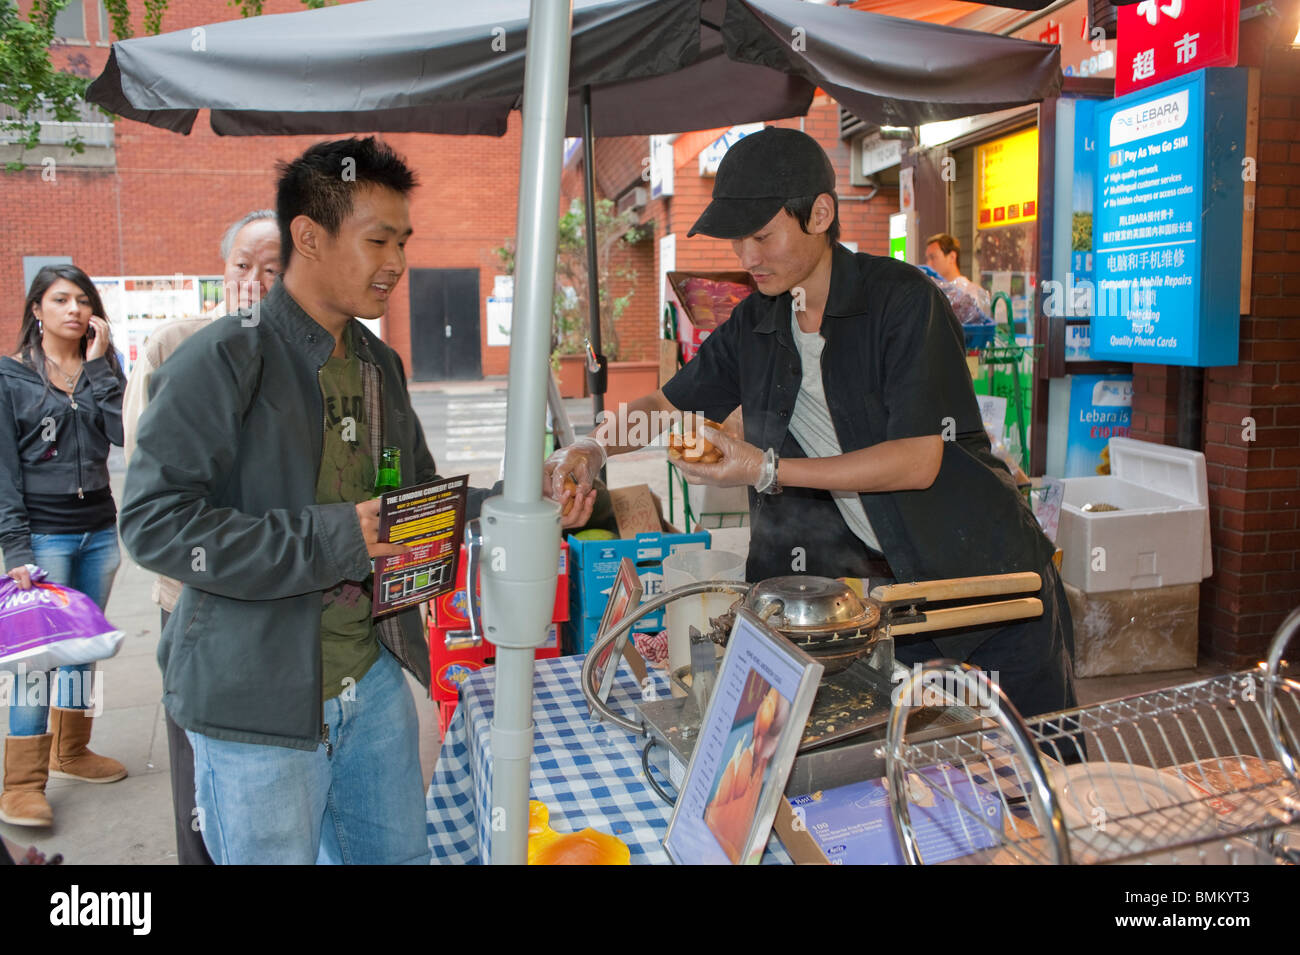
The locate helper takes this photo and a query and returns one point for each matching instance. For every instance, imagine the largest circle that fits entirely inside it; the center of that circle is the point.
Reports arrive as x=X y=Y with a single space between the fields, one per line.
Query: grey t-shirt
x=811 y=426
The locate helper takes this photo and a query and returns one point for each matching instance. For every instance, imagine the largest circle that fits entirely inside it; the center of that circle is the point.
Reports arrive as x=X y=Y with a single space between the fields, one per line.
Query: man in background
x=943 y=254
x=250 y=250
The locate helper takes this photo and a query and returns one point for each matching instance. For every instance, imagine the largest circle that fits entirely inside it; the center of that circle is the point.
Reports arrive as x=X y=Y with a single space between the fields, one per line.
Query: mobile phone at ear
x=90 y=333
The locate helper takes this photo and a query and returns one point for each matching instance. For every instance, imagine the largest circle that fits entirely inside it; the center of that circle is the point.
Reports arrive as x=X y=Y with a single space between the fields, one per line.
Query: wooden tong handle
x=951 y=617
x=958 y=588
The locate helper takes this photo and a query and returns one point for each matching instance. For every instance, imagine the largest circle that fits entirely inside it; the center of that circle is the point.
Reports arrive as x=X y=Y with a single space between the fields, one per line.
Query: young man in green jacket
x=251 y=484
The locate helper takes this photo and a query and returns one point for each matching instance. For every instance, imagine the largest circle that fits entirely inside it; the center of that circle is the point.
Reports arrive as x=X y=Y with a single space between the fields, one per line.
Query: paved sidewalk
x=483 y=386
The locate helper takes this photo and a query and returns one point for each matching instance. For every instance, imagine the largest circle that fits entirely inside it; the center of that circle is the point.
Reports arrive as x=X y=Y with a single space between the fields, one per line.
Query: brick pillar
x=1252 y=410
x=1155 y=404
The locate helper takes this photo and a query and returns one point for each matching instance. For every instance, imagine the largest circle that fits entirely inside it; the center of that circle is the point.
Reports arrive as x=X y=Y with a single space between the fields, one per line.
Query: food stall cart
x=1197 y=774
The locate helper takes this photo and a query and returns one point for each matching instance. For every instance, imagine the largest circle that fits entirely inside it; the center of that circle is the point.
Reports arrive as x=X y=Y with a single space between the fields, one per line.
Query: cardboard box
x=694 y=325
x=1160 y=534
x=637 y=511
x=853 y=824
x=667 y=361
x=450 y=610
x=1134 y=631
x=446 y=711
x=580 y=634
x=595 y=564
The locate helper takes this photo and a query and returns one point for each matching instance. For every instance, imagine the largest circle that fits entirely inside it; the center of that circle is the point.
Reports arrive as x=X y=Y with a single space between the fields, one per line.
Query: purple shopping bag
x=51 y=626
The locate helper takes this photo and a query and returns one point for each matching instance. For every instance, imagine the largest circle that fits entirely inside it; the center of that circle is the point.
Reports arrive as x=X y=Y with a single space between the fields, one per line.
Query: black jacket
x=893 y=367
x=49 y=447
x=221 y=495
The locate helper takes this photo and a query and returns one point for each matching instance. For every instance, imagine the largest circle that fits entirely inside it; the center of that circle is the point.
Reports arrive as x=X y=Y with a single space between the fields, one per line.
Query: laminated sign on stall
x=1167 y=232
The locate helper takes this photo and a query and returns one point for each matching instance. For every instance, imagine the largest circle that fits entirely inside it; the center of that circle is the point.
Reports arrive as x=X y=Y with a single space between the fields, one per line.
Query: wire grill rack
x=1202 y=773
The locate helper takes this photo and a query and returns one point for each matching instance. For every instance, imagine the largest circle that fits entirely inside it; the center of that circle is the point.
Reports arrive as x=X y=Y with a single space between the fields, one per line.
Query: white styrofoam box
x=707 y=500
x=1159 y=537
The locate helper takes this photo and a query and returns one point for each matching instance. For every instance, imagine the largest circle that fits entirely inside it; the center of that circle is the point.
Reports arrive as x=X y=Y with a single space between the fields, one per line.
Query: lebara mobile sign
x=1167 y=222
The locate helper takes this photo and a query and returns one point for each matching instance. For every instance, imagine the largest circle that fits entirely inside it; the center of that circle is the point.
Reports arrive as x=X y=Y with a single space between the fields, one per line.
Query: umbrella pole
x=521 y=532
x=597 y=377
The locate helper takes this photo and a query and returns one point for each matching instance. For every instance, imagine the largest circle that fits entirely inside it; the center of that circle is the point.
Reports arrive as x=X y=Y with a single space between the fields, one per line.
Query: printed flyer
x=428 y=518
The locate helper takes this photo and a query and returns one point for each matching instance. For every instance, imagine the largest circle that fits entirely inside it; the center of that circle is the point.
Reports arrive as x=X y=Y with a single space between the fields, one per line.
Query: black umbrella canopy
x=382 y=65
x=653 y=66
x=889 y=70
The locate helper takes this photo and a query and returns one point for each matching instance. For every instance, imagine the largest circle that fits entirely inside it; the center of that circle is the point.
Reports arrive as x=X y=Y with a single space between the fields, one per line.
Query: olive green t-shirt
x=349 y=646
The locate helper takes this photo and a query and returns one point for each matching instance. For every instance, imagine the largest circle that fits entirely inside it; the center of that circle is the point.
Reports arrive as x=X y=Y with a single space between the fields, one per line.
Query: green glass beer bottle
x=389 y=476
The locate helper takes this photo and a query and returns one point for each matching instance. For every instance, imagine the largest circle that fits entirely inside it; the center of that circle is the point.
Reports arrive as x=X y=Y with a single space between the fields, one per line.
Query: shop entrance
x=445 y=325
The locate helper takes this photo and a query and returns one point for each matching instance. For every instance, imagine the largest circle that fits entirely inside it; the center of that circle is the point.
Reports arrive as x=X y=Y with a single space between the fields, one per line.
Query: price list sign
x=1167 y=231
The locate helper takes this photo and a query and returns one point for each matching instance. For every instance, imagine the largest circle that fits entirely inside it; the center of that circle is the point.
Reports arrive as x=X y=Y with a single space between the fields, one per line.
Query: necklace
x=70 y=379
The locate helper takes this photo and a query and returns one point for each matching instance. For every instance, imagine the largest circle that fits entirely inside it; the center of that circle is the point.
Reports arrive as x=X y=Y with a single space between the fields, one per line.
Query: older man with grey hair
x=250 y=249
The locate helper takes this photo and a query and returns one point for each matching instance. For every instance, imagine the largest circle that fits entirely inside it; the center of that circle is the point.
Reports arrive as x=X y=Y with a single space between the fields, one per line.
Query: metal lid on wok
x=811 y=606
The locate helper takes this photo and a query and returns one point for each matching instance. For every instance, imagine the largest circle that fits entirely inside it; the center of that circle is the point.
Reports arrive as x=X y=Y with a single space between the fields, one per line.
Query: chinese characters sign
x=1008 y=180
x=1168 y=222
x=1161 y=39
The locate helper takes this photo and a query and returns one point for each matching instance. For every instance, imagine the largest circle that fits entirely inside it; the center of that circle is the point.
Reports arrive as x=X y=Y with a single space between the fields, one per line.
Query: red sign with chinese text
x=1161 y=39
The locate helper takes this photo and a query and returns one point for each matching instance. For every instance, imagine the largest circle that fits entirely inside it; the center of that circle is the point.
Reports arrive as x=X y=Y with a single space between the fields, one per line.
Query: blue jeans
x=85 y=562
x=362 y=803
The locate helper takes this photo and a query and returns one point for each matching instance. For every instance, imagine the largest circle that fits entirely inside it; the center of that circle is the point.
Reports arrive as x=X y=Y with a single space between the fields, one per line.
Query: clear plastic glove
x=741 y=463
x=567 y=478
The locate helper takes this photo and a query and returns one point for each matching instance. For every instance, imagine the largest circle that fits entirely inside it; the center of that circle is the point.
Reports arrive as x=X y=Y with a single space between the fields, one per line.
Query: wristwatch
x=767 y=482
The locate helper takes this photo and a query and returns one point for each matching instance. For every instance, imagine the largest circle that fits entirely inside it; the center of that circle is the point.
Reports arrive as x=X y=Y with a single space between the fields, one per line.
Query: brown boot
x=27 y=761
x=69 y=757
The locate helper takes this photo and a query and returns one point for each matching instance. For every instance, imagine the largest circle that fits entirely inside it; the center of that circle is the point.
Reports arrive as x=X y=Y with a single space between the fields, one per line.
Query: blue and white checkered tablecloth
x=587 y=773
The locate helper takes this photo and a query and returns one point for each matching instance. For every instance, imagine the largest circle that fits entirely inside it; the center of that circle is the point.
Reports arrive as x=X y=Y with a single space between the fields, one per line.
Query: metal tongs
x=903 y=607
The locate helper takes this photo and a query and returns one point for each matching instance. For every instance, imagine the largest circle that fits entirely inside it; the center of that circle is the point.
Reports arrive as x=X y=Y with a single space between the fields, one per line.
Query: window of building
x=70 y=22
x=105 y=26
x=34 y=263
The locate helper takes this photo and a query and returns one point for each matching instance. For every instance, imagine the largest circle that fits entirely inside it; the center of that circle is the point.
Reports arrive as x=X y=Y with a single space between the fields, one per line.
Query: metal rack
x=1202 y=773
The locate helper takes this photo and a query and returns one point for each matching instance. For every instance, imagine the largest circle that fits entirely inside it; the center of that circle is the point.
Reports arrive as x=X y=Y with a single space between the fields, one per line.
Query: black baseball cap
x=756 y=178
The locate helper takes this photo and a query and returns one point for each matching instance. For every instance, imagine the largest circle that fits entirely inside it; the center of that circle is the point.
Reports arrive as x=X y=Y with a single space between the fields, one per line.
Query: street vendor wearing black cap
x=864 y=449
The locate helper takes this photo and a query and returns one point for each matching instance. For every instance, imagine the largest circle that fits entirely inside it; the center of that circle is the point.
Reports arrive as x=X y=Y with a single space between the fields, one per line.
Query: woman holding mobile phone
x=60 y=409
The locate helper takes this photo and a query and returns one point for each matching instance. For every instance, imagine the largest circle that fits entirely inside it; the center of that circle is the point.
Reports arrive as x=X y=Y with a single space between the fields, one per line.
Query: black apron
x=801 y=531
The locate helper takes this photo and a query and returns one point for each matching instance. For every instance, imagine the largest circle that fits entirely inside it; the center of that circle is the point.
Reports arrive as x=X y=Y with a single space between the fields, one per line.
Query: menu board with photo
x=746 y=748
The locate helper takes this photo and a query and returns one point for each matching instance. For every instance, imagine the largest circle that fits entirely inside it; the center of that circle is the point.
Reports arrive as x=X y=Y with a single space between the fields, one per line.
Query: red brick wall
x=465 y=207
x=1254 y=478
x=1155 y=403
x=620 y=161
x=638 y=327
x=169 y=200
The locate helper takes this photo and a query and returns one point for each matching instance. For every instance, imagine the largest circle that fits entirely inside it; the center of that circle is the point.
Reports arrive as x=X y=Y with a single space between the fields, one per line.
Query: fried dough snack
x=693 y=447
